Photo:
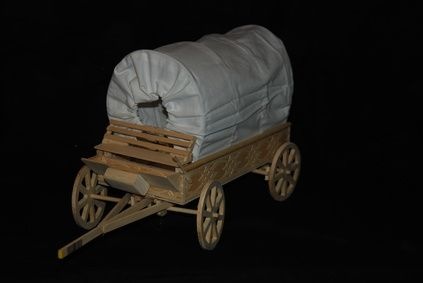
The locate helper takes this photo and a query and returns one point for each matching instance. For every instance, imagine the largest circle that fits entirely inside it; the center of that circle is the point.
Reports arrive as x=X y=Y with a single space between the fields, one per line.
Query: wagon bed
x=154 y=167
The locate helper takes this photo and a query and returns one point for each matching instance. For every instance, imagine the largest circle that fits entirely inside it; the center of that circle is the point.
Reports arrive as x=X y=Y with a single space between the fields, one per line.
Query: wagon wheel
x=86 y=210
x=284 y=171
x=210 y=215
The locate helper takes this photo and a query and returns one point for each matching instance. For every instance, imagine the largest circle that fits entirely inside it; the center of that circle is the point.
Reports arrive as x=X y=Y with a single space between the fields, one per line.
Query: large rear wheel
x=284 y=171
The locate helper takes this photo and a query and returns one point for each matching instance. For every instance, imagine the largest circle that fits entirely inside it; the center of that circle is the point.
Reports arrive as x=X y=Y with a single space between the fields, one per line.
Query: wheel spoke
x=209 y=234
x=215 y=231
x=87 y=181
x=280 y=175
x=94 y=178
x=221 y=217
x=85 y=212
x=82 y=202
x=209 y=206
x=284 y=188
x=218 y=203
x=213 y=196
x=206 y=225
x=278 y=186
x=82 y=189
x=290 y=179
x=285 y=157
x=92 y=213
x=292 y=166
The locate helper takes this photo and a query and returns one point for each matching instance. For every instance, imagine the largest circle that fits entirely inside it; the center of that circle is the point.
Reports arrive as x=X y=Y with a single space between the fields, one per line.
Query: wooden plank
x=138 y=153
x=148 y=145
x=214 y=156
x=79 y=242
x=118 y=222
x=97 y=167
x=137 y=206
x=137 y=167
x=117 y=208
x=127 y=165
x=148 y=137
x=175 y=197
x=151 y=129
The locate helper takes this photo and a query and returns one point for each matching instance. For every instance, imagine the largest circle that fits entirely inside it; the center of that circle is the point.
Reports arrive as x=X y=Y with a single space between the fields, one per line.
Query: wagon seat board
x=142 y=159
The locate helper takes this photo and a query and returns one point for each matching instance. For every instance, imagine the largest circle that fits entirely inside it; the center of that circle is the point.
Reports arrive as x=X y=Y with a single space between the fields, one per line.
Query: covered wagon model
x=185 y=119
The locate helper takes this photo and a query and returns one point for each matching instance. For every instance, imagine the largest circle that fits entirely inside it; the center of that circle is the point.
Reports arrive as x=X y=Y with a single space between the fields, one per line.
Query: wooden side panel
x=234 y=164
x=166 y=195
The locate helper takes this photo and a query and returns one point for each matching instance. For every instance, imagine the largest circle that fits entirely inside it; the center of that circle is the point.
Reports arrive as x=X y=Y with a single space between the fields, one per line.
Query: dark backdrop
x=355 y=214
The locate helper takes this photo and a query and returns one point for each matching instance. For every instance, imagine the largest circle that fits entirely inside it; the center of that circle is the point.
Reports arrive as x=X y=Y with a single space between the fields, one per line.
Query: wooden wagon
x=154 y=167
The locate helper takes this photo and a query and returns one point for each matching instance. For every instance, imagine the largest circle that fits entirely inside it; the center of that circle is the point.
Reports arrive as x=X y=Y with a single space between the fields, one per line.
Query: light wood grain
x=149 y=137
x=138 y=153
x=147 y=145
x=126 y=165
x=151 y=129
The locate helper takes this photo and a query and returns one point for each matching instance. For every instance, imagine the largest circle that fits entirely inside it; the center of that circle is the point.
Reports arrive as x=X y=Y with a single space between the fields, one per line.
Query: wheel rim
x=284 y=171
x=210 y=215
x=86 y=210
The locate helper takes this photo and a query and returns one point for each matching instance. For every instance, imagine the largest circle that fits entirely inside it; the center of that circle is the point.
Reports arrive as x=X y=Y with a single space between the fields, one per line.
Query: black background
x=355 y=214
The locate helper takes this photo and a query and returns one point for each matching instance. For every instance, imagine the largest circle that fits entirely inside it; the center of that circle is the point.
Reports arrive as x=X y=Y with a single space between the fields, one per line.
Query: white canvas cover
x=221 y=89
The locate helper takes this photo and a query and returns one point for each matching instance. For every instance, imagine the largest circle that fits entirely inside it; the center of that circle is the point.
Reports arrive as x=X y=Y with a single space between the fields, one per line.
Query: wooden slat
x=151 y=129
x=117 y=208
x=127 y=165
x=148 y=145
x=119 y=221
x=148 y=137
x=138 y=153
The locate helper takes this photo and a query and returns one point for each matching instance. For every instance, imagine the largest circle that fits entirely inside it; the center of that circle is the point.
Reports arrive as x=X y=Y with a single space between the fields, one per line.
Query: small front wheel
x=210 y=215
x=87 y=211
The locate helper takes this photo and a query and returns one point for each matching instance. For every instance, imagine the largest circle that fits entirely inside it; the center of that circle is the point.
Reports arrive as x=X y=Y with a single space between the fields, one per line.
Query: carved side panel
x=234 y=164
